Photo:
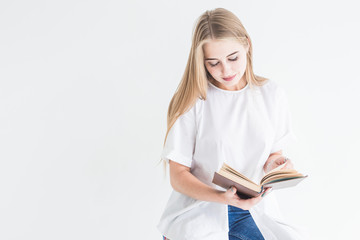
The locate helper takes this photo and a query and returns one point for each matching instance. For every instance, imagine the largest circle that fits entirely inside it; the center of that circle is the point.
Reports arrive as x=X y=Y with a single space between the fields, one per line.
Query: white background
x=84 y=91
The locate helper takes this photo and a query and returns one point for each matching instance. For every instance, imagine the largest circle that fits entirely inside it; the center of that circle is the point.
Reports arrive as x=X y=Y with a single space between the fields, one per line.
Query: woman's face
x=226 y=62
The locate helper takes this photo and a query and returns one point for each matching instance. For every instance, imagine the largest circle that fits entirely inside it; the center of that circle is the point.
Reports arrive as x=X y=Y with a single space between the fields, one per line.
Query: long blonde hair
x=216 y=24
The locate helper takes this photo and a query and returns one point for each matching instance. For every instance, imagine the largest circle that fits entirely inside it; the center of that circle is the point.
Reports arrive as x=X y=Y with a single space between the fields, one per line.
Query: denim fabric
x=242 y=225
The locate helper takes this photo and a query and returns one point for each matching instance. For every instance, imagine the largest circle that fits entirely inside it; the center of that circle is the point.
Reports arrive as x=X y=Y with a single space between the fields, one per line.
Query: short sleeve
x=180 y=143
x=284 y=134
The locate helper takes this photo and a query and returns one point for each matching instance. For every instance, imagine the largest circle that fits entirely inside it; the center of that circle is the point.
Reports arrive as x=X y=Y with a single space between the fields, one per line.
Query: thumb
x=232 y=190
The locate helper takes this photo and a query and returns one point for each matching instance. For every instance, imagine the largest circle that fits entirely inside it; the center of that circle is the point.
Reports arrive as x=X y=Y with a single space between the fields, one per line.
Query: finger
x=279 y=160
x=246 y=204
x=232 y=189
x=266 y=192
x=289 y=164
x=255 y=200
x=284 y=160
x=286 y=163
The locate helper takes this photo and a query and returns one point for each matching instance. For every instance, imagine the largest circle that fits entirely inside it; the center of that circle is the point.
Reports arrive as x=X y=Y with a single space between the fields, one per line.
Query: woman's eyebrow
x=217 y=59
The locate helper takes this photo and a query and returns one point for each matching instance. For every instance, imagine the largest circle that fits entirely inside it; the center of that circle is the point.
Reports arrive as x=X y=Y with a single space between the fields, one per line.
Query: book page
x=277 y=168
x=240 y=180
x=227 y=168
x=281 y=177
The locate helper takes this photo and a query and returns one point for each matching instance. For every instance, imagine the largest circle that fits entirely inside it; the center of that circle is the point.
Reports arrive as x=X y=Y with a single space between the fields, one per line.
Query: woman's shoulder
x=271 y=88
x=270 y=85
x=194 y=109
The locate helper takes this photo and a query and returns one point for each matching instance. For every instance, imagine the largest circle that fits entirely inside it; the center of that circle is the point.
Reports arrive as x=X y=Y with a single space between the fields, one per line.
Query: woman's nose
x=226 y=70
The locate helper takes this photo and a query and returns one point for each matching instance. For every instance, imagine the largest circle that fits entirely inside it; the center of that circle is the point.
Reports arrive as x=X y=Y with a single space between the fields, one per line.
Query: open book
x=276 y=178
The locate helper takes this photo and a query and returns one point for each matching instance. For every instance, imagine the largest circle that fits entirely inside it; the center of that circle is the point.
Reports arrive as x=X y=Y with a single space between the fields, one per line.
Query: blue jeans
x=242 y=225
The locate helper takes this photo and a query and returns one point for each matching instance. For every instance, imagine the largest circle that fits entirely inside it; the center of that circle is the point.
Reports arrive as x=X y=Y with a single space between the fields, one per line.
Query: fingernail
x=266 y=192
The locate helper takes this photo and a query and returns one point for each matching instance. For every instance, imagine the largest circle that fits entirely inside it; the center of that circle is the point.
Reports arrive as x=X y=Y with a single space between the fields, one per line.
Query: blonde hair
x=216 y=24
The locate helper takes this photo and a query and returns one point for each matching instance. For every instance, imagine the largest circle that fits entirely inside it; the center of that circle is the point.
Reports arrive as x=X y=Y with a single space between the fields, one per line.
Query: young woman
x=223 y=112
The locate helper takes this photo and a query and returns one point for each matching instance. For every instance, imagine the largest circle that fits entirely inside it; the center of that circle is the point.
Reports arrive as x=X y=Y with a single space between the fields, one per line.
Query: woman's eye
x=230 y=59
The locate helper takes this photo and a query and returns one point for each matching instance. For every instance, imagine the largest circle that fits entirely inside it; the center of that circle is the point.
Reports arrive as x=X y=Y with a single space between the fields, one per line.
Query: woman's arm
x=276 y=159
x=183 y=181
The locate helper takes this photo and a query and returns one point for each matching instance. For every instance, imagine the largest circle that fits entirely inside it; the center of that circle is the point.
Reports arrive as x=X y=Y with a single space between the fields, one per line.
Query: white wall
x=84 y=91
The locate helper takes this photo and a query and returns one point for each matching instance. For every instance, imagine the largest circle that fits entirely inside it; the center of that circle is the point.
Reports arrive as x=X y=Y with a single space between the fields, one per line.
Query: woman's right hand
x=231 y=198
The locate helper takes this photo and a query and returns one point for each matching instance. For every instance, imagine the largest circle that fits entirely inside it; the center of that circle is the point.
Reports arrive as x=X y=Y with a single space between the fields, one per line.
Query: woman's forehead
x=221 y=48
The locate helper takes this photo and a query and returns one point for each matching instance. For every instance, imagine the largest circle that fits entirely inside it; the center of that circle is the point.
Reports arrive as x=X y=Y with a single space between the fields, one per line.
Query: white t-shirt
x=241 y=128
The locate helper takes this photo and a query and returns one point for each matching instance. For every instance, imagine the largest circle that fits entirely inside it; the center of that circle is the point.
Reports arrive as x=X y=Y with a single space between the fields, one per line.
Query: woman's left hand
x=276 y=160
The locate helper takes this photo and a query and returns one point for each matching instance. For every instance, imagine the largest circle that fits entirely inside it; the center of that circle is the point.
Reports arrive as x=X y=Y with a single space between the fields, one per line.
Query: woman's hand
x=276 y=160
x=231 y=198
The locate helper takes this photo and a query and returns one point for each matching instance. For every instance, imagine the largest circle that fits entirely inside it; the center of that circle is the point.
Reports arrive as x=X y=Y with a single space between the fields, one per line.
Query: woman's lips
x=229 y=78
